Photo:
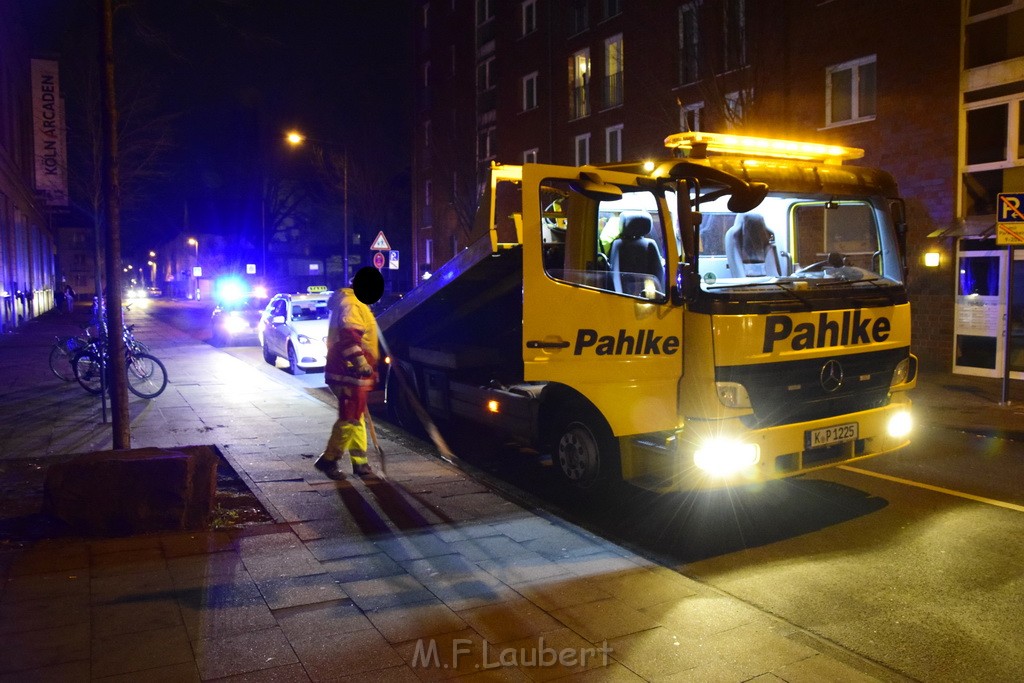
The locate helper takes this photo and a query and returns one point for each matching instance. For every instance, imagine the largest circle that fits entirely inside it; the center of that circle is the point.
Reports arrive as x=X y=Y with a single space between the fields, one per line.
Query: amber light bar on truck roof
x=746 y=145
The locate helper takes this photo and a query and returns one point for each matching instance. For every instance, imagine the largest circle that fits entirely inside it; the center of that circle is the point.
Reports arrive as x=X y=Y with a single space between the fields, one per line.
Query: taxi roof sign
x=380 y=243
x=727 y=143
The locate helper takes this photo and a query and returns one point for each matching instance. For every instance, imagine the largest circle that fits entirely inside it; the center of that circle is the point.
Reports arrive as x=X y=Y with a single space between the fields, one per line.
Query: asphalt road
x=912 y=559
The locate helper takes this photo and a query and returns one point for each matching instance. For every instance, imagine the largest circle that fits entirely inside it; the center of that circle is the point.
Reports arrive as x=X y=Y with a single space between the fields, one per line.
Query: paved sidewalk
x=429 y=575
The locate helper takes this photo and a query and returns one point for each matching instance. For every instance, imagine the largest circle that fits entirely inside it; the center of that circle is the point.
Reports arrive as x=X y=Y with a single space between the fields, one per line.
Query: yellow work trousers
x=347 y=436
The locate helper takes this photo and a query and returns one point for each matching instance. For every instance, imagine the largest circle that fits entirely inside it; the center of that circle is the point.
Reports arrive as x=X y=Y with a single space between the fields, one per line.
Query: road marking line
x=938 y=489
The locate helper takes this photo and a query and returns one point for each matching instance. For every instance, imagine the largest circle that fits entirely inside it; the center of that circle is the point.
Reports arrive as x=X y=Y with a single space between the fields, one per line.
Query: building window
x=485 y=75
x=426 y=134
x=612 y=8
x=689 y=117
x=734 y=108
x=426 y=15
x=426 y=75
x=687 y=47
x=995 y=135
x=850 y=92
x=613 y=71
x=530 y=156
x=583 y=149
x=993 y=37
x=530 y=91
x=529 y=17
x=427 y=192
x=735 y=34
x=579 y=17
x=613 y=144
x=485 y=144
x=428 y=251
x=579 y=78
x=453 y=60
x=484 y=11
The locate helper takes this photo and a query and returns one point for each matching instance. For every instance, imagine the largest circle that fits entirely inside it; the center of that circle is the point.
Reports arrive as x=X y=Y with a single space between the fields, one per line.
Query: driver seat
x=750 y=248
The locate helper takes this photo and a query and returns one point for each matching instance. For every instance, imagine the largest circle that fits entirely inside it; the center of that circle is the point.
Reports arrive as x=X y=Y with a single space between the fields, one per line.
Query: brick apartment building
x=599 y=81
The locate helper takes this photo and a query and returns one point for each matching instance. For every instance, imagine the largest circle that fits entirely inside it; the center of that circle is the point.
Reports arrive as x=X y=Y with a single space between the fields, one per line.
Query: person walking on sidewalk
x=352 y=354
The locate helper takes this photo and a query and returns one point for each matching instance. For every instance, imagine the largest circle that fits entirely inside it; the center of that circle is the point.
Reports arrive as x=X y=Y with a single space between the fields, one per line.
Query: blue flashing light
x=231 y=289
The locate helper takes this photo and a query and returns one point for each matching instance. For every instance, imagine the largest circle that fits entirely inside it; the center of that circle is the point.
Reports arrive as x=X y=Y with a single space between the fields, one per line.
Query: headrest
x=635 y=224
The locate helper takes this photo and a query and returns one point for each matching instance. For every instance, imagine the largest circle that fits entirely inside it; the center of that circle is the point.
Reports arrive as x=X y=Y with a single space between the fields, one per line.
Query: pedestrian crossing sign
x=380 y=243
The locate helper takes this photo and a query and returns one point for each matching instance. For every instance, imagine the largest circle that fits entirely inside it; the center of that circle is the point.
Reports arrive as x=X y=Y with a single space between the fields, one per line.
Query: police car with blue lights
x=237 y=314
x=294 y=327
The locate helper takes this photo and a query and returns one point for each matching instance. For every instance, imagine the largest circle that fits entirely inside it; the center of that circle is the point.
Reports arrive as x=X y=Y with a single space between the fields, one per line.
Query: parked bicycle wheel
x=147 y=376
x=61 y=355
x=88 y=369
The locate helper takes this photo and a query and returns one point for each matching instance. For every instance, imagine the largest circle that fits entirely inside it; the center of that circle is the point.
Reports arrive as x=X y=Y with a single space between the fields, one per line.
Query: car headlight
x=721 y=457
x=732 y=394
x=235 y=323
x=303 y=339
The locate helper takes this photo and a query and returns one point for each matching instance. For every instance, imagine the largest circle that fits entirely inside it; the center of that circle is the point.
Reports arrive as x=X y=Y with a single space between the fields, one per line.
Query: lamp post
x=295 y=138
x=152 y=269
x=193 y=242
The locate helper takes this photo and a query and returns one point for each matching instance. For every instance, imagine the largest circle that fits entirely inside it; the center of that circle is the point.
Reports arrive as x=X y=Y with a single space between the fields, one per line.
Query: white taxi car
x=294 y=327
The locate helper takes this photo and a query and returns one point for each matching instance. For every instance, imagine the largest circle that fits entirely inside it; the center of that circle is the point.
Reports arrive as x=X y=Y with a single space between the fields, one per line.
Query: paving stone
x=561 y=591
x=53 y=586
x=820 y=668
x=362 y=567
x=127 y=617
x=329 y=655
x=526 y=566
x=388 y=591
x=307 y=621
x=243 y=653
x=418 y=620
x=657 y=653
x=289 y=591
x=510 y=620
x=136 y=652
x=603 y=620
x=415 y=545
x=334 y=548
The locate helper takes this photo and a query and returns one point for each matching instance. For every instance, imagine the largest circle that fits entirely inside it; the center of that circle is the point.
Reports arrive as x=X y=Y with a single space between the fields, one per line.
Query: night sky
x=225 y=79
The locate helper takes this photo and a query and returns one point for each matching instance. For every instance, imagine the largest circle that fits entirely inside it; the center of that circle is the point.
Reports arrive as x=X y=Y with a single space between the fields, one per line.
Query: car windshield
x=788 y=238
x=309 y=310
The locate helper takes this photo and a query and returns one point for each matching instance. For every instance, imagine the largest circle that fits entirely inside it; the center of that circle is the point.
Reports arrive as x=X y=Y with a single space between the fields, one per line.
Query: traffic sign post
x=1010 y=219
x=1009 y=233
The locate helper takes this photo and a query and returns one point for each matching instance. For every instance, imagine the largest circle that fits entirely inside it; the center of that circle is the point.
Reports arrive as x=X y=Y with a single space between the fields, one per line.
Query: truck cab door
x=599 y=254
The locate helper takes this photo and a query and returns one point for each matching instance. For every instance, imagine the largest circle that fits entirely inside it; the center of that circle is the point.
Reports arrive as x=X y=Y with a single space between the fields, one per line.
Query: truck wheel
x=293 y=362
x=584 y=452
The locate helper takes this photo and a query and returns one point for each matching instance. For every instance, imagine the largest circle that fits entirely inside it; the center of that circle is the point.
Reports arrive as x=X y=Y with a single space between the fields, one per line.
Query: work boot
x=327 y=466
x=362 y=470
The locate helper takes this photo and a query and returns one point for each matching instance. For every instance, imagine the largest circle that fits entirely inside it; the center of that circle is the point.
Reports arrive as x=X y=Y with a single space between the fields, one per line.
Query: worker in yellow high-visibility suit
x=352 y=354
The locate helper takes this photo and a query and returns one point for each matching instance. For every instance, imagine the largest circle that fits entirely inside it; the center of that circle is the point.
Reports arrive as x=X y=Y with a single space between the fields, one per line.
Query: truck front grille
x=784 y=393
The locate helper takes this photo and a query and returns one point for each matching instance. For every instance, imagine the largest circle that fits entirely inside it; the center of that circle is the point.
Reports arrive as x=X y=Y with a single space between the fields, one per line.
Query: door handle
x=535 y=344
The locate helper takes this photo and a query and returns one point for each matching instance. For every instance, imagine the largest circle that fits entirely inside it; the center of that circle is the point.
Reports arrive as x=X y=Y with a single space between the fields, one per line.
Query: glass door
x=979 y=328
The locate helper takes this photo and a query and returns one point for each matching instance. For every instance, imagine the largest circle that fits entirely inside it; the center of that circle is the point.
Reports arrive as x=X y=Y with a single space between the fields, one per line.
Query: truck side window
x=615 y=246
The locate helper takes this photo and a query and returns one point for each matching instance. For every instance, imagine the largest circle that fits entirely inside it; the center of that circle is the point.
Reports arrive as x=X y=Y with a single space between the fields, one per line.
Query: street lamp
x=193 y=242
x=295 y=138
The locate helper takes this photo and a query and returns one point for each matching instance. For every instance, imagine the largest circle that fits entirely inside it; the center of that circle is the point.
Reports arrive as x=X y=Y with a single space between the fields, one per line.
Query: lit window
x=485 y=75
x=613 y=71
x=850 y=92
x=530 y=156
x=579 y=78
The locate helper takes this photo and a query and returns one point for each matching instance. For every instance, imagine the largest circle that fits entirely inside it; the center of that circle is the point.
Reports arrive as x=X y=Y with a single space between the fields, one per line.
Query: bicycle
x=146 y=374
x=63 y=352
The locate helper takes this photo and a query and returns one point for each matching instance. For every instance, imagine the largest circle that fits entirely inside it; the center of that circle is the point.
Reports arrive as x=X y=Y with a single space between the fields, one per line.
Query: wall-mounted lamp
x=932 y=259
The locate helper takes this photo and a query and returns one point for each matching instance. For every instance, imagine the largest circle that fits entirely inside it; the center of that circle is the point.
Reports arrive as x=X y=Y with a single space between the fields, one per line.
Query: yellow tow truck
x=733 y=313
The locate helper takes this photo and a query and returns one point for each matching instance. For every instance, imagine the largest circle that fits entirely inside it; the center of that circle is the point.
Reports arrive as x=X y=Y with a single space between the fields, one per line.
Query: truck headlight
x=901 y=373
x=900 y=424
x=722 y=457
x=732 y=394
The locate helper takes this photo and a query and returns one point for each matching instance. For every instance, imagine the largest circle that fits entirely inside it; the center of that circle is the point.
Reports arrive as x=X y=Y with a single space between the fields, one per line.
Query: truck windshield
x=788 y=239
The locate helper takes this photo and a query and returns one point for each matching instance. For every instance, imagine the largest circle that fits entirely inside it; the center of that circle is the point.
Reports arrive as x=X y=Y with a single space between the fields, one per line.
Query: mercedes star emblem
x=831 y=376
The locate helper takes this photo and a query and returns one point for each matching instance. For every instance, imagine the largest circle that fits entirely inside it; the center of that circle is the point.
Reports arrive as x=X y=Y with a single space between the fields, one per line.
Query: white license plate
x=826 y=436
